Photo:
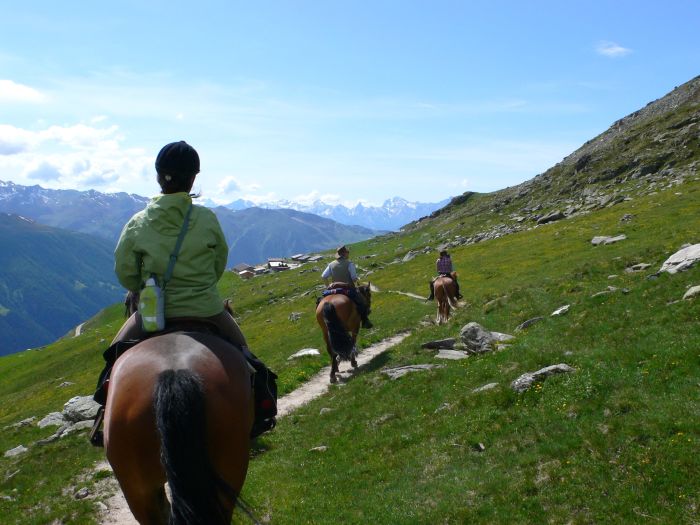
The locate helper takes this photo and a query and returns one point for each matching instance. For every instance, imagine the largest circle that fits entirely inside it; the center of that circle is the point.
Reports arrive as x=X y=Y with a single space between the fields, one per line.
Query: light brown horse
x=339 y=320
x=446 y=297
x=180 y=409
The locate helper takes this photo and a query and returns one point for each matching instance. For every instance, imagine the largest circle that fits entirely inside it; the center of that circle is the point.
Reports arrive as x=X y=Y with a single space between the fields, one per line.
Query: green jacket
x=147 y=241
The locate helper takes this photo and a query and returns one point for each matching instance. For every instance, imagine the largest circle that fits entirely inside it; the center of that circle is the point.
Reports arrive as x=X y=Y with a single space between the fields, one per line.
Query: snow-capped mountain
x=93 y=212
x=391 y=215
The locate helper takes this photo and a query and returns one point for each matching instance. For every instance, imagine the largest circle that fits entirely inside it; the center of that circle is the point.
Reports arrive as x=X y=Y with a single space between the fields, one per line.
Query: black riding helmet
x=178 y=159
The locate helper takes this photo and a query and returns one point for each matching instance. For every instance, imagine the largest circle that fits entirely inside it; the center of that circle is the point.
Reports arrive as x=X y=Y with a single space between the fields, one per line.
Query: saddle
x=263 y=380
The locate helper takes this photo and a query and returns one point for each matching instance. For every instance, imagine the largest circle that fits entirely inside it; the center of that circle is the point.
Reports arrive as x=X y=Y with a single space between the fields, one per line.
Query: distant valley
x=50 y=281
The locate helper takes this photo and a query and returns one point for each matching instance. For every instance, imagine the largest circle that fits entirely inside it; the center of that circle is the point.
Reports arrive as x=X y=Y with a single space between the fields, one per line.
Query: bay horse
x=180 y=409
x=340 y=321
x=446 y=297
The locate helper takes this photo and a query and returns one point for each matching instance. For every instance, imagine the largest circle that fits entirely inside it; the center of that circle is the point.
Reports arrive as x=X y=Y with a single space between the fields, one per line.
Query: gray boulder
x=478 y=340
x=525 y=381
x=410 y=256
x=681 y=260
x=80 y=408
x=551 y=217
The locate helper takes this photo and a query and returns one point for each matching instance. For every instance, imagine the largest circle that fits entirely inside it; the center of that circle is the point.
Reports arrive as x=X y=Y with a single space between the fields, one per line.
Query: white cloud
x=13 y=92
x=612 y=49
x=75 y=156
x=81 y=136
x=229 y=185
x=14 y=140
x=44 y=171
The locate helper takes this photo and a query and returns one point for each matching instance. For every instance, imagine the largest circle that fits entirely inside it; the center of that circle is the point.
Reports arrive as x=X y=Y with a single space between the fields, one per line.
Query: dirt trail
x=117 y=511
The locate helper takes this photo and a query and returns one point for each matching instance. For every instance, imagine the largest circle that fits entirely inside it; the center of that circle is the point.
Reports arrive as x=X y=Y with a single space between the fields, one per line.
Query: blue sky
x=345 y=101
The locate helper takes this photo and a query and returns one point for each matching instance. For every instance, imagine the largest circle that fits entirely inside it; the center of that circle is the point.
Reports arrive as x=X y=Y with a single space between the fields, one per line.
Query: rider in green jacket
x=144 y=250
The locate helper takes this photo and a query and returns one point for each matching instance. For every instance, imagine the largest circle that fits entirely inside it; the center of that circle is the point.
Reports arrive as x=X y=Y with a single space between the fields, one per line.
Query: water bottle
x=152 y=306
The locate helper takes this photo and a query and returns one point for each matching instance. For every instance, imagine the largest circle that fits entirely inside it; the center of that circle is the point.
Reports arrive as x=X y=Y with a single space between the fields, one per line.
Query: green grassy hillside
x=613 y=442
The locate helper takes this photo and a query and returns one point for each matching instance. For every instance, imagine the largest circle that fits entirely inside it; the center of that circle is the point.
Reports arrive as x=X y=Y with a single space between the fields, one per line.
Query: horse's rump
x=338 y=335
x=185 y=397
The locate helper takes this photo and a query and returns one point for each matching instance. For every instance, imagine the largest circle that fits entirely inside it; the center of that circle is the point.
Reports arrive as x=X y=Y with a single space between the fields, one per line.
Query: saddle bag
x=265 y=394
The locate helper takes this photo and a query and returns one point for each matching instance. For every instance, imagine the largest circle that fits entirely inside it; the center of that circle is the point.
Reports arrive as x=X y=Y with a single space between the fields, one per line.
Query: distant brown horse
x=446 y=297
x=180 y=409
x=339 y=320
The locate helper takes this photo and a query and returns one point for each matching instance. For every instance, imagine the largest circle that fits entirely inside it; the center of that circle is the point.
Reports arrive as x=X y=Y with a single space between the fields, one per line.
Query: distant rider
x=343 y=271
x=443 y=266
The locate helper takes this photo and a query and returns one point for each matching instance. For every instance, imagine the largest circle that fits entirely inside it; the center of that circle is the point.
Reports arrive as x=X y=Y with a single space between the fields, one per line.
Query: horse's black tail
x=181 y=421
x=340 y=340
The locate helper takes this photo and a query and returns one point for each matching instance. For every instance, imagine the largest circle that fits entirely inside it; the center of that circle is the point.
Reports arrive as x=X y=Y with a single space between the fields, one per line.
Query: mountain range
x=391 y=215
x=315 y=226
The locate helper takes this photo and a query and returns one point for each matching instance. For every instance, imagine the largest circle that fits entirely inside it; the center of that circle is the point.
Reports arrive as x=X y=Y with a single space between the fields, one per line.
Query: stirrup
x=96 y=435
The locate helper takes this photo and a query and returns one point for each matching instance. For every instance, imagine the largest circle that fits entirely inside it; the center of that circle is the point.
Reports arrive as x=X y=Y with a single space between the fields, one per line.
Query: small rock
x=479 y=447
x=444 y=406
x=82 y=493
x=325 y=410
x=440 y=344
x=637 y=268
x=321 y=448
x=21 y=449
x=525 y=381
x=23 y=423
x=528 y=323
x=294 y=316
x=489 y=386
x=451 y=354
x=602 y=239
x=53 y=419
x=304 y=352
x=77 y=427
x=692 y=292
x=561 y=310
x=65 y=384
x=50 y=439
x=400 y=371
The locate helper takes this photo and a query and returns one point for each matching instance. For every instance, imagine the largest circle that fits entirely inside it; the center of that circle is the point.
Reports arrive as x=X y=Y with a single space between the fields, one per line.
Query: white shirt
x=351 y=268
